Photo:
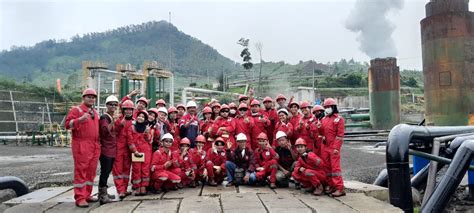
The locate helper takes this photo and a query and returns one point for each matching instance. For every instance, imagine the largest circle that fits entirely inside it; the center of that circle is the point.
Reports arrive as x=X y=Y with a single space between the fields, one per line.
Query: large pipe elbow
x=14 y=183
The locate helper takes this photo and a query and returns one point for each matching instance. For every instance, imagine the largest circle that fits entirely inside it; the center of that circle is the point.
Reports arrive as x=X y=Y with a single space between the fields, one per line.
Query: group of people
x=168 y=148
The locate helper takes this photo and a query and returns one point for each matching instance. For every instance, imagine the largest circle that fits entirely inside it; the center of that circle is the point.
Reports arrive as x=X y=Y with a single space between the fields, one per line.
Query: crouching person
x=309 y=170
x=215 y=164
x=139 y=142
x=163 y=167
x=266 y=161
x=240 y=164
x=199 y=158
x=286 y=161
x=186 y=164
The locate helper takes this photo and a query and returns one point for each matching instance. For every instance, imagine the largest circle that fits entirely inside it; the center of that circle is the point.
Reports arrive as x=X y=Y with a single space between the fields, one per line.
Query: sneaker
x=82 y=204
x=229 y=184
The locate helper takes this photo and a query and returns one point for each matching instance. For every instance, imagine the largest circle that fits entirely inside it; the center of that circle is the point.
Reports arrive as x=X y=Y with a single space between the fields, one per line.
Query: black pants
x=106 y=164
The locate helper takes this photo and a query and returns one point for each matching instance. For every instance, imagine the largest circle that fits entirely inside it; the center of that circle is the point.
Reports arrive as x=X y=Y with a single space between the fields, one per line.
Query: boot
x=338 y=193
x=103 y=196
x=297 y=186
x=91 y=199
x=82 y=204
x=122 y=196
x=318 y=191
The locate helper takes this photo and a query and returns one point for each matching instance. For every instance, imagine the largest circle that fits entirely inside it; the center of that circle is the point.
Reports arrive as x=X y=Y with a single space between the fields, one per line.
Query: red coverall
x=295 y=120
x=123 y=160
x=227 y=125
x=313 y=174
x=273 y=117
x=268 y=159
x=199 y=159
x=162 y=175
x=204 y=127
x=317 y=136
x=174 y=130
x=215 y=158
x=85 y=149
x=244 y=127
x=286 y=128
x=260 y=126
x=304 y=130
x=333 y=131
x=187 y=165
x=140 y=142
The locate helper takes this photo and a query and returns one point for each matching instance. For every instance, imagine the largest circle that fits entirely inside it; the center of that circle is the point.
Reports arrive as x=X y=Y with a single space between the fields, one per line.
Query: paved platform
x=212 y=199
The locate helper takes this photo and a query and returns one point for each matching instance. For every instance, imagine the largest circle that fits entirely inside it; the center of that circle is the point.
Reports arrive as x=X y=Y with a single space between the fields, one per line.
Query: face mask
x=328 y=111
x=232 y=111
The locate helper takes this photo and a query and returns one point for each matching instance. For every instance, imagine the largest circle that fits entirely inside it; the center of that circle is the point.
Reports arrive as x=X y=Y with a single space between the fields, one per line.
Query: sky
x=290 y=31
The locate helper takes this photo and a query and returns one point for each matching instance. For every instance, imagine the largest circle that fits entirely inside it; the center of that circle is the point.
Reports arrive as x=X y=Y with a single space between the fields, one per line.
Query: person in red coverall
x=318 y=114
x=186 y=163
x=295 y=118
x=244 y=123
x=215 y=162
x=216 y=108
x=333 y=131
x=261 y=123
x=141 y=103
x=181 y=110
x=123 y=161
x=164 y=165
x=224 y=126
x=139 y=142
x=200 y=159
x=283 y=125
x=83 y=121
x=271 y=114
x=309 y=169
x=304 y=126
x=160 y=103
x=205 y=126
x=233 y=110
x=266 y=160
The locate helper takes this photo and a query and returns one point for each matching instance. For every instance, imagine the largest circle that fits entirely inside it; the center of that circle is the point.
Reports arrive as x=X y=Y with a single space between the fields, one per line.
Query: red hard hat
x=294 y=103
x=206 y=110
x=219 y=139
x=172 y=109
x=329 y=102
x=161 y=101
x=128 y=104
x=300 y=141
x=232 y=105
x=224 y=106
x=180 y=106
x=304 y=104
x=201 y=139
x=262 y=135
x=154 y=110
x=243 y=105
x=185 y=141
x=280 y=96
x=255 y=102
x=317 y=107
x=267 y=99
x=144 y=112
x=243 y=97
x=89 y=91
x=216 y=105
x=144 y=100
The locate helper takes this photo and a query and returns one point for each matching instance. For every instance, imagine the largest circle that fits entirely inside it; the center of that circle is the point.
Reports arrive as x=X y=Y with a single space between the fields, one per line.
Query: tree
x=245 y=54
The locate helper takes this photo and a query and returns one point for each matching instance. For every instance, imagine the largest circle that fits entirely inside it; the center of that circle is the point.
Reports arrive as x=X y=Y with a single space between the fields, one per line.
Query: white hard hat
x=111 y=98
x=167 y=136
x=280 y=134
x=163 y=110
x=191 y=104
x=241 y=137
x=282 y=110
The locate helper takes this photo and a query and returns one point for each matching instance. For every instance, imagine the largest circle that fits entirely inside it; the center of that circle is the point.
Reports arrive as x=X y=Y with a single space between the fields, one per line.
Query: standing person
x=123 y=161
x=266 y=160
x=333 y=131
x=215 y=164
x=164 y=166
x=271 y=114
x=83 y=120
x=224 y=126
x=304 y=126
x=141 y=103
x=181 y=110
x=189 y=123
x=216 y=108
x=283 y=125
x=232 y=110
x=295 y=118
x=287 y=158
x=139 y=142
x=155 y=132
x=205 y=127
x=260 y=123
x=243 y=123
x=318 y=114
x=281 y=101
x=160 y=103
x=242 y=160
x=309 y=170
x=108 y=146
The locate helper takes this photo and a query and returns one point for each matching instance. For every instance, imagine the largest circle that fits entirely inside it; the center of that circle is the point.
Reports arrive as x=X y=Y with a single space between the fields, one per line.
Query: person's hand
x=199 y=148
x=268 y=145
x=285 y=172
x=259 y=169
x=302 y=169
x=138 y=155
x=246 y=178
x=204 y=173
x=229 y=144
x=134 y=92
x=115 y=117
x=218 y=169
x=335 y=151
x=168 y=164
x=288 y=145
x=185 y=151
x=246 y=120
x=84 y=117
x=147 y=130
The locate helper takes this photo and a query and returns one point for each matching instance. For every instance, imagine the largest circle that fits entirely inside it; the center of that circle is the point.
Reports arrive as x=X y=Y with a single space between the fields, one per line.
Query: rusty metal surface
x=448 y=62
x=384 y=75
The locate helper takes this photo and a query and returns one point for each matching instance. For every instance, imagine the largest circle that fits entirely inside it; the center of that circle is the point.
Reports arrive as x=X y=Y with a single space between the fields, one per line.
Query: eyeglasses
x=243 y=109
x=225 y=111
x=112 y=105
x=168 y=141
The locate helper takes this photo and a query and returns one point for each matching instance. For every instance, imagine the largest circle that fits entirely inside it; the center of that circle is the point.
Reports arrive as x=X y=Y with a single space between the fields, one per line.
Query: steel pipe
x=14 y=183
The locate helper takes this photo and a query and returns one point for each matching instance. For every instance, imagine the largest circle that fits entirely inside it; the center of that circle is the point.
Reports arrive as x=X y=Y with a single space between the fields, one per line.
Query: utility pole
x=314 y=92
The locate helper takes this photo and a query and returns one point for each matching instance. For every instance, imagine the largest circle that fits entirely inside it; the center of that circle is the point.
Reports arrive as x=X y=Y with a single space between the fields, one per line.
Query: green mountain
x=132 y=44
